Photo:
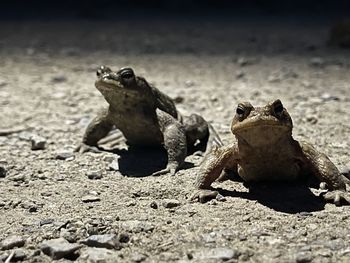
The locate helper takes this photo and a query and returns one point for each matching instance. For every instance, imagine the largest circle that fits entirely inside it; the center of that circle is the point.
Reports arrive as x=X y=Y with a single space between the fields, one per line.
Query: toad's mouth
x=106 y=83
x=261 y=125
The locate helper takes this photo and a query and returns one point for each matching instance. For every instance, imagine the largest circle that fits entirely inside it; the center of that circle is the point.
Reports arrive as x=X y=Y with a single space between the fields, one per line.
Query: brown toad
x=146 y=117
x=264 y=150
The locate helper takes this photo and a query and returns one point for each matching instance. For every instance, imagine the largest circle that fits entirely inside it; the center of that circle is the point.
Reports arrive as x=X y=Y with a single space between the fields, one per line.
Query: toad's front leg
x=98 y=128
x=214 y=163
x=323 y=168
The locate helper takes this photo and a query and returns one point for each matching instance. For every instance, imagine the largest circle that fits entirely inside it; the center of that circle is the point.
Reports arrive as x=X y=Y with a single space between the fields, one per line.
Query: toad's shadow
x=291 y=198
x=141 y=161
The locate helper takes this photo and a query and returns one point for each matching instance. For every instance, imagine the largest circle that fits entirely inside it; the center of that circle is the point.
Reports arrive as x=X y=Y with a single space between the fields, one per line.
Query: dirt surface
x=47 y=76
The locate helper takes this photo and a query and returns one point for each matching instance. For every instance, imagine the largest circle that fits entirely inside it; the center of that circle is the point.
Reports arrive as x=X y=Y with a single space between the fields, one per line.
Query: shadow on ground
x=290 y=199
x=141 y=162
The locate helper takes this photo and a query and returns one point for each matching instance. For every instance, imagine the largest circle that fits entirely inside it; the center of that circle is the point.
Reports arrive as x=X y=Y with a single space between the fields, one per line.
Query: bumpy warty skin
x=146 y=117
x=264 y=150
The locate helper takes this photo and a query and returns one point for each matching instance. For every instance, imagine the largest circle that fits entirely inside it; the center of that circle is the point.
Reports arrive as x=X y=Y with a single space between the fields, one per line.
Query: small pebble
x=303 y=257
x=90 y=198
x=317 y=62
x=2 y=172
x=58 y=79
x=94 y=175
x=58 y=248
x=109 y=241
x=38 y=142
x=170 y=203
x=114 y=165
x=64 y=155
x=12 y=242
x=154 y=205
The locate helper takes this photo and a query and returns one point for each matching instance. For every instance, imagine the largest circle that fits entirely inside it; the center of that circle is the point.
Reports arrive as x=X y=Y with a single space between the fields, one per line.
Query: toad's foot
x=204 y=195
x=338 y=197
x=168 y=170
x=83 y=148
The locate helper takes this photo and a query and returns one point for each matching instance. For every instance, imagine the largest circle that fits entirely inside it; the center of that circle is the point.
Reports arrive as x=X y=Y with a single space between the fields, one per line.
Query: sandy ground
x=46 y=87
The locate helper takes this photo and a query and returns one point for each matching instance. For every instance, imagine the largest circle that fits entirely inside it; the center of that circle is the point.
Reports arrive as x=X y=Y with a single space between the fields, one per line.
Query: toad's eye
x=127 y=74
x=240 y=111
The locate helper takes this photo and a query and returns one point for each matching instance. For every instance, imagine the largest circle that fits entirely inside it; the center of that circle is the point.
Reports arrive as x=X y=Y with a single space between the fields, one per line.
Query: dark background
x=114 y=9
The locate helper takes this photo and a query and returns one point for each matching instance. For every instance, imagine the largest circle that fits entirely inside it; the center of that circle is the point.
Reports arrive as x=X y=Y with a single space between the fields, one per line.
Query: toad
x=264 y=150
x=146 y=117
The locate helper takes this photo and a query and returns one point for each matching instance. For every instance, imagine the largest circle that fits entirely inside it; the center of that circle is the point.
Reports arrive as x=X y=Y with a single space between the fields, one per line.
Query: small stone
x=303 y=257
x=178 y=99
x=189 y=83
x=58 y=79
x=138 y=257
x=2 y=172
x=18 y=178
x=38 y=142
x=19 y=255
x=312 y=119
x=99 y=255
x=90 y=198
x=242 y=61
x=317 y=62
x=59 y=248
x=114 y=165
x=64 y=155
x=328 y=97
x=47 y=221
x=220 y=253
x=240 y=74
x=124 y=238
x=109 y=241
x=220 y=198
x=154 y=205
x=12 y=241
x=345 y=171
x=170 y=203
x=94 y=175
x=137 y=226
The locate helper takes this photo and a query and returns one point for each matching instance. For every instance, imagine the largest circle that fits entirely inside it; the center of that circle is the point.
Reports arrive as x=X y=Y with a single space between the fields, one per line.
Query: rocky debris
x=59 y=248
x=220 y=253
x=38 y=142
x=12 y=242
x=239 y=74
x=94 y=175
x=244 y=61
x=64 y=155
x=138 y=257
x=91 y=197
x=317 y=62
x=154 y=205
x=58 y=79
x=328 y=97
x=303 y=257
x=137 y=226
x=19 y=255
x=109 y=241
x=98 y=255
x=114 y=165
x=2 y=172
x=170 y=203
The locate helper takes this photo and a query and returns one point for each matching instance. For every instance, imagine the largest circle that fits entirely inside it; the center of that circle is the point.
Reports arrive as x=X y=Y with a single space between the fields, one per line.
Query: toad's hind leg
x=174 y=142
